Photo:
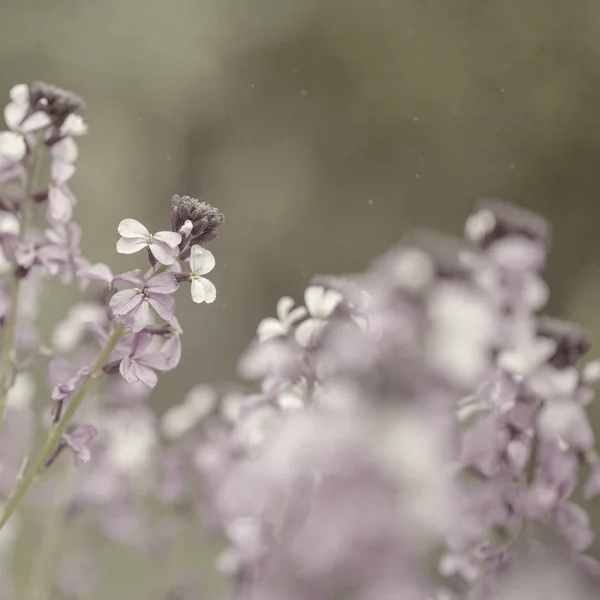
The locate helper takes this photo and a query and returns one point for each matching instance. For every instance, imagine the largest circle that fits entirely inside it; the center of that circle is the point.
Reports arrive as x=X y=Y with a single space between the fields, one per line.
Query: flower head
x=133 y=306
x=204 y=218
x=202 y=262
x=320 y=304
x=286 y=317
x=135 y=237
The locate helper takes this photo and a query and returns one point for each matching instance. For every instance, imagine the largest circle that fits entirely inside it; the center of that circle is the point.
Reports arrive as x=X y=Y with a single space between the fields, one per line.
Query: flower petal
x=209 y=291
x=19 y=94
x=130 y=228
x=313 y=298
x=331 y=299
x=163 y=304
x=132 y=372
x=308 y=331
x=65 y=151
x=202 y=261
x=38 y=120
x=125 y=301
x=163 y=253
x=60 y=206
x=12 y=146
x=270 y=328
x=163 y=283
x=74 y=125
x=61 y=171
x=14 y=114
x=284 y=306
x=170 y=238
x=130 y=245
x=197 y=291
x=138 y=318
x=98 y=272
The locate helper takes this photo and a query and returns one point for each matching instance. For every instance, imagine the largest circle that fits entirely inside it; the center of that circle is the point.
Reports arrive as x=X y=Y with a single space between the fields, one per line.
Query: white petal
x=170 y=238
x=283 y=307
x=203 y=290
x=591 y=371
x=130 y=228
x=308 y=331
x=37 y=120
x=14 y=114
x=130 y=245
x=74 y=125
x=313 y=298
x=12 y=146
x=9 y=224
x=202 y=261
x=330 y=301
x=298 y=313
x=270 y=328
x=66 y=150
x=197 y=291
x=20 y=93
x=163 y=253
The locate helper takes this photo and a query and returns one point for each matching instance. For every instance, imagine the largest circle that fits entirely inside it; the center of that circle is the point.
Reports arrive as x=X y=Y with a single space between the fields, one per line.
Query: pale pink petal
x=130 y=228
x=131 y=245
x=132 y=372
x=60 y=206
x=14 y=114
x=61 y=171
x=38 y=120
x=140 y=342
x=163 y=283
x=171 y=350
x=12 y=146
x=125 y=301
x=139 y=317
x=202 y=261
x=163 y=304
x=270 y=328
x=170 y=238
x=155 y=360
x=331 y=299
x=65 y=151
x=163 y=253
x=131 y=277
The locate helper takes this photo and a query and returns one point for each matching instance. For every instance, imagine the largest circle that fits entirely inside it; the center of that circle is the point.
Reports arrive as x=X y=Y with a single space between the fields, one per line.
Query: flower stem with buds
x=56 y=434
x=8 y=341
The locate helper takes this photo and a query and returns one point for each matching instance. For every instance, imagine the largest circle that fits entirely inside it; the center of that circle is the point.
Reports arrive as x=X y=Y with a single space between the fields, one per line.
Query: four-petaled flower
x=142 y=362
x=286 y=316
x=202 y=262
x=320 y=304
x=133 y=306
x=135 y=237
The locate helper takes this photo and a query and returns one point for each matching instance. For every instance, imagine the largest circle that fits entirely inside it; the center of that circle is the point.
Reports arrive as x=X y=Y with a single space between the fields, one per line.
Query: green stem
x=56 y=434
x=39 y=584
x=8 y=342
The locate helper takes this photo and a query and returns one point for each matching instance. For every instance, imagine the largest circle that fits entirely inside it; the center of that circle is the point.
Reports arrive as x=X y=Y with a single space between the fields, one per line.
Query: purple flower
x=76 y=438
x=142 y=362
x=133 y=305
x=60 y=198
x=135 y=237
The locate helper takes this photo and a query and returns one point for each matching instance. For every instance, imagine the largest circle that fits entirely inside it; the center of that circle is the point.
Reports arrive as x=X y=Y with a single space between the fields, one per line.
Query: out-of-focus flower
x=287 y=316
x=142 y=362
x=132 y=306
x=320 y=304
x=77 y=438
x=181 y=418
x=136 y=237
x=69 y=332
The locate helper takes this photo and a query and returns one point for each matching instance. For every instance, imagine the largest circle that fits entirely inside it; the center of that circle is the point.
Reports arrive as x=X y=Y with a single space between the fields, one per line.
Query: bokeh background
x=323 y=130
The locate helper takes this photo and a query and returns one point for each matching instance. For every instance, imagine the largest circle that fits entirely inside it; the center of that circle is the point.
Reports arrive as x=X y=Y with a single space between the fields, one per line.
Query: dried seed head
x=205 y=218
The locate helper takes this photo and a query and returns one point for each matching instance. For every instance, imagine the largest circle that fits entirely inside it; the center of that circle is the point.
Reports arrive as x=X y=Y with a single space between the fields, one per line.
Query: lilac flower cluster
x=418 y=432
x=102 y=359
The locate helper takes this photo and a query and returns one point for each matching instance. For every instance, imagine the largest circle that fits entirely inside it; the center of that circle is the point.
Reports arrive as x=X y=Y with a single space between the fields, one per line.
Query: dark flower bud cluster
x=54 y=101
x=205 y=220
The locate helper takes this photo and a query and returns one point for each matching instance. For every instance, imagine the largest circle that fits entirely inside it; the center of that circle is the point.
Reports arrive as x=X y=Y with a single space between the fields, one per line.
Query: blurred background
x=323 y=130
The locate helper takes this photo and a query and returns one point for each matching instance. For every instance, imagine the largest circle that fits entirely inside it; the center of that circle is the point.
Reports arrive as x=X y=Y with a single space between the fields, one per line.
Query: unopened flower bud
x=572 y=341
x=54 y=101
x=205 y=219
